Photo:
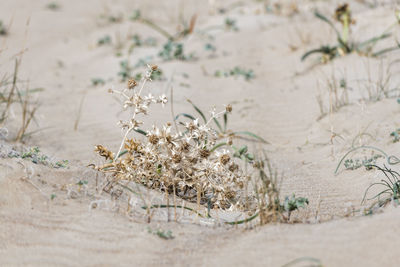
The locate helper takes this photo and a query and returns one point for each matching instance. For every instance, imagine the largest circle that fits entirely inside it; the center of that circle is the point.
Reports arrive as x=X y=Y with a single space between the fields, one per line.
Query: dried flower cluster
x=182 y=159
x=343 y=14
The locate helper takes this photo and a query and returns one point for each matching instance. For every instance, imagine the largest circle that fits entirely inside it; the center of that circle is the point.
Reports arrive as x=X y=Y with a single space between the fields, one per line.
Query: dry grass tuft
x=10 y=95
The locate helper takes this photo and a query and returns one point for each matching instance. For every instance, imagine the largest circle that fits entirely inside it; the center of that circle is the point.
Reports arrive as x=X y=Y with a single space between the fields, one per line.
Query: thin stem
x=145 y=79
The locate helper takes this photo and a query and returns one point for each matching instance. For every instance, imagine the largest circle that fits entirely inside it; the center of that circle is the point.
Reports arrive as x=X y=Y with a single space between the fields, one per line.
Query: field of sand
x=44 y=223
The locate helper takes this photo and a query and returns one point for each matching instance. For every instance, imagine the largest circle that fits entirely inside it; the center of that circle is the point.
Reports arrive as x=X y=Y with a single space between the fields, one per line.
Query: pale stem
x=215 y=116
x=133 y=117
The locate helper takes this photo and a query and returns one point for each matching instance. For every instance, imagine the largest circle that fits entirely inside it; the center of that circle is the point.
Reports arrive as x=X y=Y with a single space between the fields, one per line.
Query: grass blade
x=244 y=220
x=258 y=138
x=129 y=189
x=218 y=125
x=309 y=53
x=225 y=121
x=140 y=131
x=184 y=115
x=327 y=50
x=325 y=19
x=172 y=206
x=374 y=40
x=121 y=154
x=366 y=191
x=218 y=146
x=198 y=111
x=386 y=50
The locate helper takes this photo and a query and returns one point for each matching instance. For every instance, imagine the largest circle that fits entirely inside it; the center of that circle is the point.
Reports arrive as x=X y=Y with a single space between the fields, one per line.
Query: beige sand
x=279 y=104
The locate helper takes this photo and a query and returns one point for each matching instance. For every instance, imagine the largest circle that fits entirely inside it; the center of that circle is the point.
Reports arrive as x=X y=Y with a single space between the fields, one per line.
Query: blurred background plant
x=12 y=96
x=345 y=44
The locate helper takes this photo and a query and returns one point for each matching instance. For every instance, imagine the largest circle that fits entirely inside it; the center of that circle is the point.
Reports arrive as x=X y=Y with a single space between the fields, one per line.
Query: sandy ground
x=61 y=55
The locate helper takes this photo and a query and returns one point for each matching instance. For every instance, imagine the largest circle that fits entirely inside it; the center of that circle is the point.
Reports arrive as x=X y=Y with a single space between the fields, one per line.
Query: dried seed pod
x=233 y=167
x=193 y=160
x=343 y=13
x=132 y=83
x=224 y=159
x=204 y=153
x=184 y=147
x=132 y=146
x=153 y=139
x=228 y=108
x=104 y=152
x=176 y=158
x=230 y=140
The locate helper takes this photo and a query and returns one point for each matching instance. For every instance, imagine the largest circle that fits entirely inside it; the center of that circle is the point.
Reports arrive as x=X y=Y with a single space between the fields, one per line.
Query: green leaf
x=250 y=157
x=198 y=110
x=184 y=115
x=225 y=121
x=243 y=150
x=301 y=202
x=218 y=146
x=244 y=220
x=218 y=125
x=82 y=182
x=386 y=50
x=374 y=40
x=258 y=138
x=129 y=189
x=121 y=154
x=140 y=131
x=327 y=50
x=34 y=90
x=325 y=19
x=344 y=45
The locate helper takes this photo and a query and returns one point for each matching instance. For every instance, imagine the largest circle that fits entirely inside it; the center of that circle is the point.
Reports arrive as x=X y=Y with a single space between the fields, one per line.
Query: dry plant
x=380 y=87
x=338 y=96
x=179 y=159
x=267 y=188
x=10 y=94
x=192 y=161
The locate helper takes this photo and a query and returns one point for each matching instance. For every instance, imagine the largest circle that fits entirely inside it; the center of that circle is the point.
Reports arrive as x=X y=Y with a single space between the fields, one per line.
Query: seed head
x=233 y=167
x=230 y=141
x=132 y=83
x=104 y=152
x=176 y=158
x=204 y=153
x=154 y=139
x=224 y=159
x=154 y=67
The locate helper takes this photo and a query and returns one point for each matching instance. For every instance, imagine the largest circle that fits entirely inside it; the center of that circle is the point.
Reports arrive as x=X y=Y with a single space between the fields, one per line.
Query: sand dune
x=61 y=55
